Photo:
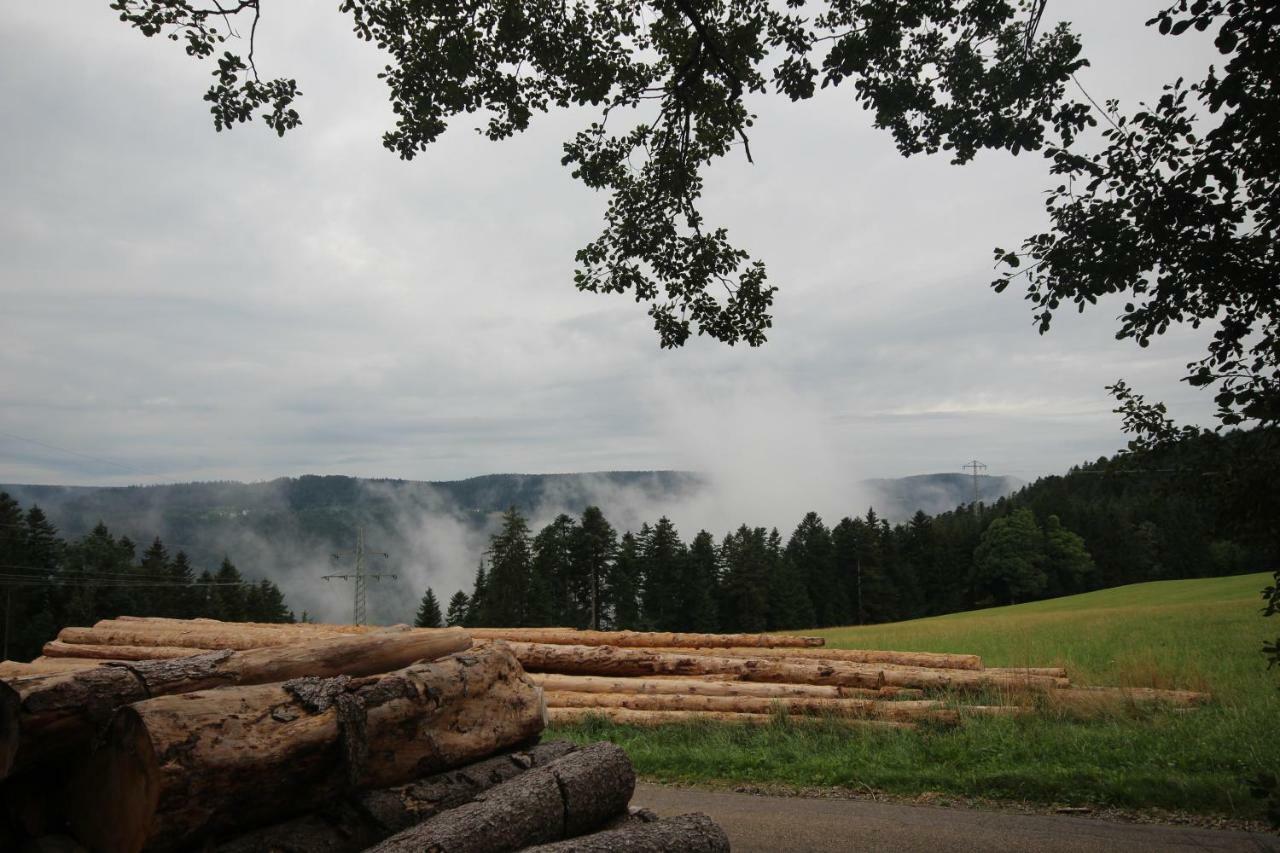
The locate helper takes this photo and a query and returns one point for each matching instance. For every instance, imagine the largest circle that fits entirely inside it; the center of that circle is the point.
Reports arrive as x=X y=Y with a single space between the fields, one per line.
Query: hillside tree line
x=48 y=584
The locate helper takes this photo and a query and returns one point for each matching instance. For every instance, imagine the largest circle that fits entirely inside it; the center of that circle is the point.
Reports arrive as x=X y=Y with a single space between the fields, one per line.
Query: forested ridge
x=1201 y=508
x=49 y=583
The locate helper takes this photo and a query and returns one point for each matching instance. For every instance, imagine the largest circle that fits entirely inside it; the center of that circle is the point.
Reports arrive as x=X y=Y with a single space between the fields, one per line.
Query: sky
x=180 y=304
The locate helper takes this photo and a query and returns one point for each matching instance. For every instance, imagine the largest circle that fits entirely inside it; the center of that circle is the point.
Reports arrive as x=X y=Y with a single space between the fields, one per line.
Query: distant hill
x=288 y=529
x=900 y=498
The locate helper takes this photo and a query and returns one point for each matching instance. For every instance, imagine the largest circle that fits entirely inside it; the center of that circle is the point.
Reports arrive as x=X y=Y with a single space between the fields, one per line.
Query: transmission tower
x=360 y=576
x=976 y=466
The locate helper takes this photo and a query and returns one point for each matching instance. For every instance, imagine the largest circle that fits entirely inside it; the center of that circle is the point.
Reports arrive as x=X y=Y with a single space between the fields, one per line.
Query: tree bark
x=1111 y=698
x=176 y=772
x=626 y=716
x=1049 y=671
x=570 y=796
x=693 y=686
x=644 y=639
x=59 y=649
x=363 y=819
x=60 y=712
x=927 y=660
x=688 y=833
x=610 y=660
x=920 y=711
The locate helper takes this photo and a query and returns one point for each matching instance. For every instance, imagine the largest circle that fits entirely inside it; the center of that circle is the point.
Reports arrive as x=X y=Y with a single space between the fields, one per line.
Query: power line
x=359 y=576
x=121 y=466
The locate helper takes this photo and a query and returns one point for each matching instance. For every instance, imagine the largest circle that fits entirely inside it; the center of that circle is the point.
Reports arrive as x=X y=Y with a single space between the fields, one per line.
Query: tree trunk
x=708 y=687
x=1049 y=671
x=570 y=796
x=363 y=819
x=968 y=680
x=628 y=717
x=928 y=660
x=59 y=649
x=9 y=670
x=197 y=636
x=178 y=771
x=861 y=708
x=643 y=639
x=688 y=833
x=60 y=712
x=609 y=660
x=1112 y=698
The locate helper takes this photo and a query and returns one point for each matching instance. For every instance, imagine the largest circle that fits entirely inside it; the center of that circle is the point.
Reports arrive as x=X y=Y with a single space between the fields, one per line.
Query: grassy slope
x=1200 y=634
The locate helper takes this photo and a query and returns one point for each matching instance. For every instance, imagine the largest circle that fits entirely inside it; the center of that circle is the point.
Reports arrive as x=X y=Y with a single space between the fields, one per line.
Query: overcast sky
x=179 y=304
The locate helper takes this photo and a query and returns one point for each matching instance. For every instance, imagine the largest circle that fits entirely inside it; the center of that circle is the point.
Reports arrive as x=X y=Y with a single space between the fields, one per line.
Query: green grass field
x=1197 y=634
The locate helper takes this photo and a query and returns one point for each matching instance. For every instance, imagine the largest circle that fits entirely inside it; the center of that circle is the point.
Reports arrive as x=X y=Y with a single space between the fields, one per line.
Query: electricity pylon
x=359 y=576
x=976 y=466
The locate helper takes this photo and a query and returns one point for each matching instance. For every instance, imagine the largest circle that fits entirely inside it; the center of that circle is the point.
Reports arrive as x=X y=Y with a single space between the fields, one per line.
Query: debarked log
x=179 y=771
x=928 y=660
x=707 y=686
x=571 y=796
x=919 y=711
x=689 y=833
x=611 y=660
x=626 y=716
x=57 y=649
x=59 y=713
x=362 y=819
x=644 y=639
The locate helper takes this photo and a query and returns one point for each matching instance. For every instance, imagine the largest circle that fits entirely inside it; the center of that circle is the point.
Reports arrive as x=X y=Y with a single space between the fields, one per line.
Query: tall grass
x=1195 y=634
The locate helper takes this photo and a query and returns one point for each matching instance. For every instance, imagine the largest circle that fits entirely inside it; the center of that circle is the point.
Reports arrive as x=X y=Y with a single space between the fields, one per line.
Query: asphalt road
x=794 y=824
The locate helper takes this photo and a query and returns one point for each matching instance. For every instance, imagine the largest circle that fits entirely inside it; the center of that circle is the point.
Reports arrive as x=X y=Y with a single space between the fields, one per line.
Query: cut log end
x=128 y=767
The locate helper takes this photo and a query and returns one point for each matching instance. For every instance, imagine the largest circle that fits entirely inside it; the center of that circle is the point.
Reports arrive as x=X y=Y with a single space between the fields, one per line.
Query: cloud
x=192 y=305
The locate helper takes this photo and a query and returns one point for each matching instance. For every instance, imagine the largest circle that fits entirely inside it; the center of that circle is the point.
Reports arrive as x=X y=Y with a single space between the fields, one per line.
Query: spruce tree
x=228 y=594
x=701 y=579
x=457 y=614
x=624 y=584
x=550 y=599
x=477 y=608
x=663 y=561
x=594 y=544
x=185 y=599
x=745 y=560
x=428 y=611
x=507 y=593
x=154 y=569
x=811 y=557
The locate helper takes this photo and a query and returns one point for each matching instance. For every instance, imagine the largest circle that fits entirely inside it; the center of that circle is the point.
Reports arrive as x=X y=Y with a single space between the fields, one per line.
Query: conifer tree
x=745 y=559
x=701 y=577
x=663 y=561
x=507 y=593
x=790 y=604
x=428 y=611
x=477 y=609
x=624 y=584
x=228 y=594
x=551 y=598
x=457 y=614
x=185 y=600
x=810 y=555
x=154 y=569
x=594 y=544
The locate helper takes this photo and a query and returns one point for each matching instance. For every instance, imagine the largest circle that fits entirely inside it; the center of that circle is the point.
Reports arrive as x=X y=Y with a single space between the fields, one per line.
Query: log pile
x=166 y=735
x=650 y=678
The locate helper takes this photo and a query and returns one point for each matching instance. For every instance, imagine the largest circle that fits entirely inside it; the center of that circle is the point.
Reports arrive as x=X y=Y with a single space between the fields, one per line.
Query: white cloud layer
x=180 y=304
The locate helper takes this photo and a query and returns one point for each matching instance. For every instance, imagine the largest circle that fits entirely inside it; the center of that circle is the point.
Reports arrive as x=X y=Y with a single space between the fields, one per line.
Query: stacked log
x=58 y=713
x=179 y=735
x=194 y=765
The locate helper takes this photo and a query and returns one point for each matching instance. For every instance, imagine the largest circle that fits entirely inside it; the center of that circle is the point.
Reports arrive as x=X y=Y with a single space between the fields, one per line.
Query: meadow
x=1203 y=634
